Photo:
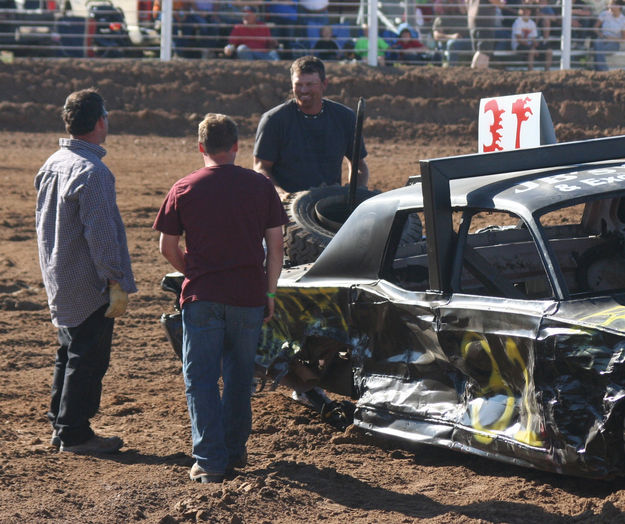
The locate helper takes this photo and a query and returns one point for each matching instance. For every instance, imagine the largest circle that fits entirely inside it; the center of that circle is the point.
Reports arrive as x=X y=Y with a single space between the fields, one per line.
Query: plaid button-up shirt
x=80 y=233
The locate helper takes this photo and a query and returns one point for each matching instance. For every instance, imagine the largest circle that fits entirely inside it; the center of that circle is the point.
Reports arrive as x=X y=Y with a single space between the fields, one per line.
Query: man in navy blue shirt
x=301 y=144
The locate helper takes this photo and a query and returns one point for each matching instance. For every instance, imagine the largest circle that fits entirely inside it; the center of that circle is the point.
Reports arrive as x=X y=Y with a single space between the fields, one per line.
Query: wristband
x=272 y=295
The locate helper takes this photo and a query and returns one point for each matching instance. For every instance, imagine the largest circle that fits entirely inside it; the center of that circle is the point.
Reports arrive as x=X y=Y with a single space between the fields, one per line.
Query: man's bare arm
x=170 y=249
x=275 y=256
x=265 y=167
x=443 y=37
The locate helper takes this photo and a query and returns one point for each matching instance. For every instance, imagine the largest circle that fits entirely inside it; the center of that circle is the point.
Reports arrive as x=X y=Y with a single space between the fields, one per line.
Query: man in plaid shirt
x=86 y=270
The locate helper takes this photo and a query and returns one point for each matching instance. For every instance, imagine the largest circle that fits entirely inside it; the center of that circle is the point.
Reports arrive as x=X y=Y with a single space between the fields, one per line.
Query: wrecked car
x=480 y=308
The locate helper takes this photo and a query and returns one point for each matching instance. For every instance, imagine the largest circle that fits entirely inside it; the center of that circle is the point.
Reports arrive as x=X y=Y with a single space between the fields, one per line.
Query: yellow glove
x=118 y=300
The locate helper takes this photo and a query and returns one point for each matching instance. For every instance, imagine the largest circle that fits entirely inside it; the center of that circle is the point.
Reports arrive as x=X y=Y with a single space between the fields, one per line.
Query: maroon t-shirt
x=223 y=212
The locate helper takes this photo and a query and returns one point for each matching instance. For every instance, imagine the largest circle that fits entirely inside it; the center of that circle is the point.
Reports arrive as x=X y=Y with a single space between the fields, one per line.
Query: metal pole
x=372 y=57
x=353 y=183
x=565 y=42
x=166 y=25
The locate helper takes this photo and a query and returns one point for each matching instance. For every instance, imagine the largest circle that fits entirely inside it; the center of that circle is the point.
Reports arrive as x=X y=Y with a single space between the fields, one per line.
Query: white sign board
x=514 y=122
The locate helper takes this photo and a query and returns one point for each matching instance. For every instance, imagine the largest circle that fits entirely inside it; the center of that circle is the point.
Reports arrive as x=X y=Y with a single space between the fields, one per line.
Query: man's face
x=308 y=90
x=249 y=18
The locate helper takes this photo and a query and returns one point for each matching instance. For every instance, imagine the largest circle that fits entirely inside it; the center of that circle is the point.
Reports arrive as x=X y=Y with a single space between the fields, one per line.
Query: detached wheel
x=314 y=218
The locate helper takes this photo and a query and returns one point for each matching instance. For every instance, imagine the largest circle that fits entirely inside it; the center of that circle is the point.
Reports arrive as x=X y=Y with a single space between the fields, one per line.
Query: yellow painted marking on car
x=528 y=435
x=612 y=315
x=311 y=305
x=303 y=307
x=497 y=385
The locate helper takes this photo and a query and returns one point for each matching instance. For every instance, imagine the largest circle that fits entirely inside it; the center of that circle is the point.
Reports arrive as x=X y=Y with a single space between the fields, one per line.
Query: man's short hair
x=82 y=110
x=217 y=133
x=309 y=65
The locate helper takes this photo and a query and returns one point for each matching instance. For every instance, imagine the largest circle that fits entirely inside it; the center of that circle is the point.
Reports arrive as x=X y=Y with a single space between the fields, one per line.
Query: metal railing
x=187 y=29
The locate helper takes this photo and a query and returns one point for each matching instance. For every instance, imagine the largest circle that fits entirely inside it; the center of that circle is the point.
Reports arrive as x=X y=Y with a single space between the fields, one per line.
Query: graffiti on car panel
x=494 y=406
x=613 y=317
x=301 y=312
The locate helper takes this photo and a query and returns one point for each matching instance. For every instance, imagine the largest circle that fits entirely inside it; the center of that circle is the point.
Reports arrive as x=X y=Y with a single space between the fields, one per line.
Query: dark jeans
x=81 y=363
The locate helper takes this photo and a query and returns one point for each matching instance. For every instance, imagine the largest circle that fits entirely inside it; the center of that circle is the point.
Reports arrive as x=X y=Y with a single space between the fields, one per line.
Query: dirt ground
x=300 y=470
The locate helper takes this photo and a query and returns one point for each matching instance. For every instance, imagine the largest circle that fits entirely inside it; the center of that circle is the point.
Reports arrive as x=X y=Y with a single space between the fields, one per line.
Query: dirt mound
x=149 y=97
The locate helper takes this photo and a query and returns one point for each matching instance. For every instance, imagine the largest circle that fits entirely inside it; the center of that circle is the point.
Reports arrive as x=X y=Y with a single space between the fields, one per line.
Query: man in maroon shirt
x=225 y=213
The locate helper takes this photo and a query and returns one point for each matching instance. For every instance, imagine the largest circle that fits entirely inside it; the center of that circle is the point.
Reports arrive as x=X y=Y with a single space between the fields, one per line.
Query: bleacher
x=198 y=33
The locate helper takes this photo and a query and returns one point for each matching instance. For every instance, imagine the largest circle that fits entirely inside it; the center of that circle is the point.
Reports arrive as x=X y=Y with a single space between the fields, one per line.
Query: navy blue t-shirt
x=307 y=151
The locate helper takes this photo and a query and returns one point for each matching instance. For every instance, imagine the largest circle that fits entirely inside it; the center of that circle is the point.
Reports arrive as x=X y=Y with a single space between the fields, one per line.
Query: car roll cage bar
x=436 y=175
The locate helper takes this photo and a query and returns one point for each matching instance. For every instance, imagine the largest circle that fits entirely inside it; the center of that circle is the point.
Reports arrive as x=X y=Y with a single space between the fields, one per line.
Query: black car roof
x=489 y=181
x=531 y=190
x=438 y=175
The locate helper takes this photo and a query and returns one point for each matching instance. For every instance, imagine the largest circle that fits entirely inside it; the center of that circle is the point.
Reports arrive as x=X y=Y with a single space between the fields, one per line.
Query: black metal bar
x=437 y=173
x=353 y=182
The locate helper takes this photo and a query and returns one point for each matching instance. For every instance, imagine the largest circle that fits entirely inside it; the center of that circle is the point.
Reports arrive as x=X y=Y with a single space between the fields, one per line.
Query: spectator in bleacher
x=326 y=47
x=423 y=15
x=251 y=40
x=313 y=15
x=409 y=50
x=348 y=52
x=438 y=7
x=226 y=14
x=401 y=12
x=481 y=18
x=581 y=23
x=507 y=14
x=610 y=28
x=209 y=33
x=343 y=32
x=361 y=46
x=545 y=12
x=205 y=9
x=190 y=32
x=450 y=32
x=525 y=36
x=545 y=18
x=283 y=14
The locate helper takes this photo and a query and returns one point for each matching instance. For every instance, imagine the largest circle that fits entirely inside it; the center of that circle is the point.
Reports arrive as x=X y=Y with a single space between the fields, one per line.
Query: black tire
x=306 y=236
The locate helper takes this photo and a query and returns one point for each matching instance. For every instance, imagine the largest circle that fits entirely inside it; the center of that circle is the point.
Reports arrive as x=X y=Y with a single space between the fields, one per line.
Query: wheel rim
x=332 y=212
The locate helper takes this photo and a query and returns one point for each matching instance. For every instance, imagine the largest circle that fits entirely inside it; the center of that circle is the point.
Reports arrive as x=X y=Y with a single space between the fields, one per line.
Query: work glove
x=118 y=300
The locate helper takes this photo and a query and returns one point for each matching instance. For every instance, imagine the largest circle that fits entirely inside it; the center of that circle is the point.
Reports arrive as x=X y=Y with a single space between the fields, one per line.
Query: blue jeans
x=455 y=50
x=245 y=53
x=214 y=335
x=81 y=363
x=603 y=48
